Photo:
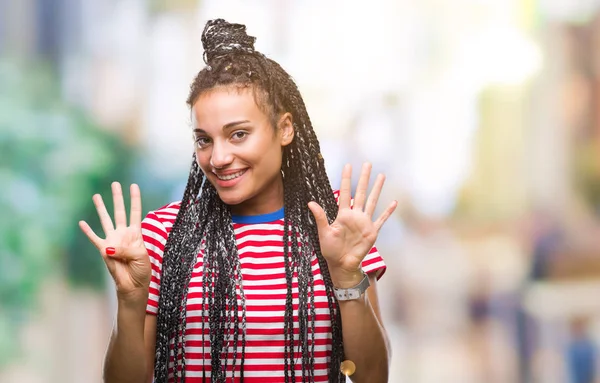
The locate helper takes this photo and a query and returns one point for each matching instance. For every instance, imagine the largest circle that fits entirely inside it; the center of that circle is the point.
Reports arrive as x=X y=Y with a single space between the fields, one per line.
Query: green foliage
x=52 y=159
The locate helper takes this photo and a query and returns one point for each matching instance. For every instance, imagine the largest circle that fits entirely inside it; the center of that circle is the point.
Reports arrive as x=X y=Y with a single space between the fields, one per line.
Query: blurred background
x=483 y=114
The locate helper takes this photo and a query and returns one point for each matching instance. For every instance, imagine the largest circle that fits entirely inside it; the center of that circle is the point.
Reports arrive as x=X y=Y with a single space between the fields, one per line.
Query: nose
x=221 y=156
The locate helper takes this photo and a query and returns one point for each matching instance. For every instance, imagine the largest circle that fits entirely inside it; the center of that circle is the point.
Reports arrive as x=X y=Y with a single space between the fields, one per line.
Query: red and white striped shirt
x=260 y=248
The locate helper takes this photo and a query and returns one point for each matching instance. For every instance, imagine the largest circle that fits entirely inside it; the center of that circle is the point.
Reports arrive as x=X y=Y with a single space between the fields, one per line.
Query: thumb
x=120 y=254
x=320 y=216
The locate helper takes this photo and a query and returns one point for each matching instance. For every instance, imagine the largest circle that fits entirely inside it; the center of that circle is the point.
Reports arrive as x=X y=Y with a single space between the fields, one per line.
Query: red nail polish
x=110 y=251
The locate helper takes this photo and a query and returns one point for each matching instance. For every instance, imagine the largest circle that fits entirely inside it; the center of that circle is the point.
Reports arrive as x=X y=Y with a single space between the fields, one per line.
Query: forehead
x=222 y=105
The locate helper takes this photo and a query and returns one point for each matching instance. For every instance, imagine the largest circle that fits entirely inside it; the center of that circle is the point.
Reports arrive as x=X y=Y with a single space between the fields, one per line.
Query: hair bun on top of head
x=221 y=38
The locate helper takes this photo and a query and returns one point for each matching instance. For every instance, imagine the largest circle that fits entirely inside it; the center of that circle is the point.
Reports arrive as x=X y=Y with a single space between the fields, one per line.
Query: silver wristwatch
x=353 y=292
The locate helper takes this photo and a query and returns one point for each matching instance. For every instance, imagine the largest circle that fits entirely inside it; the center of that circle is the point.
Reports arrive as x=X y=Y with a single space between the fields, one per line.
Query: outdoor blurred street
x=484 y=116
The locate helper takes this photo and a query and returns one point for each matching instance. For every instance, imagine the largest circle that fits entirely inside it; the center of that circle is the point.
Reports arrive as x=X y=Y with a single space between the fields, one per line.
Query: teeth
x=230 y=176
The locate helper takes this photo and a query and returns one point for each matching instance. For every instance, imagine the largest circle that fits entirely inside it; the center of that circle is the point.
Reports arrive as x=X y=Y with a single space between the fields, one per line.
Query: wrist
x=345 y=279
x=133 y=299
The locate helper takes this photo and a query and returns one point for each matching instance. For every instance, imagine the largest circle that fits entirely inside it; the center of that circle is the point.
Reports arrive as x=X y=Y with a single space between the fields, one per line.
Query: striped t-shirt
x=260 y=247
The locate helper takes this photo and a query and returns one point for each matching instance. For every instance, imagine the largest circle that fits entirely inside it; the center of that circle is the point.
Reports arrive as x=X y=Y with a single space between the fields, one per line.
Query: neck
x=268 y=201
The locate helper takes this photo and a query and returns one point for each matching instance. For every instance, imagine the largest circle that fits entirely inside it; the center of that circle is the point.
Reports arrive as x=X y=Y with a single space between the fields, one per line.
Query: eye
x=239 y=135
x=202 y=142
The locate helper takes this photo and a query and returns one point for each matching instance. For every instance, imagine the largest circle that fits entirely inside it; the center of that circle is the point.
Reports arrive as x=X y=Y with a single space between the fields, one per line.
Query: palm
x=129 y=275
x=346 y=241
x=130 y=267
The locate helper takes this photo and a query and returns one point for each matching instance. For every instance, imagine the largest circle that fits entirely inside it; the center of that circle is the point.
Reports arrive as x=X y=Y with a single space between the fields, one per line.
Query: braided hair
x=203 y=224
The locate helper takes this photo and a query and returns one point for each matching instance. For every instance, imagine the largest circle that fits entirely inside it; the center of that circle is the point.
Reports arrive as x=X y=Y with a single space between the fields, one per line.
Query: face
x=239 y=150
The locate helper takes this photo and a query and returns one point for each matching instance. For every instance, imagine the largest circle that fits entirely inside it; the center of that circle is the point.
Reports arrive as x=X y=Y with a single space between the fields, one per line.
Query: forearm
x=125 y=360
x=365 y=340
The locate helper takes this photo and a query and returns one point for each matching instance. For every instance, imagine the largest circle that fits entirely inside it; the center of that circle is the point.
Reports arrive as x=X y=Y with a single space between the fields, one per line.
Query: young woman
x=261 y=273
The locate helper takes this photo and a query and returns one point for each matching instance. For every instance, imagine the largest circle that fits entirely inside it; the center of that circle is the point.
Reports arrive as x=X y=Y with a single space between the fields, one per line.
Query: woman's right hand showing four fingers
x=123 y=248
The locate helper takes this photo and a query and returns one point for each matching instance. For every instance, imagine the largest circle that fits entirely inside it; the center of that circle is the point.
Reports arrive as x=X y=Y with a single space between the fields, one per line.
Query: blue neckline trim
x=260 y=218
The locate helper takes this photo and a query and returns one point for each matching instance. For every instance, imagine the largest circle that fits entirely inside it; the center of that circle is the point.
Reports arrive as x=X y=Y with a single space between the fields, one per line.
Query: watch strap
x=352 y=293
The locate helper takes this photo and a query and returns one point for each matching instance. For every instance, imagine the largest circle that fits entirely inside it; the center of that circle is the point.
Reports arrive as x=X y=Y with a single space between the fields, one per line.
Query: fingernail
x=110 y=251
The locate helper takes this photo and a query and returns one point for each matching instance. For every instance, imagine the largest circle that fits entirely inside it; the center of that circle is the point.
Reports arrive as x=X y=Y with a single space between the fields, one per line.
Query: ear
x=286 y=128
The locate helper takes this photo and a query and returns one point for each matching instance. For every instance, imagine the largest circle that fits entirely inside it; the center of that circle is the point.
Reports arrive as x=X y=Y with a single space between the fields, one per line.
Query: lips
x=231 y=176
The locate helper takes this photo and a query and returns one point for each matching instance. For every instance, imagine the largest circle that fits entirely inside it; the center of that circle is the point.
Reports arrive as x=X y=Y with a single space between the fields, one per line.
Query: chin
x=231 y=199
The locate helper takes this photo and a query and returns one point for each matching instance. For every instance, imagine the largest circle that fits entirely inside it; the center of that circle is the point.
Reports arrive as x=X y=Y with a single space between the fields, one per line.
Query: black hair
x=204 y=224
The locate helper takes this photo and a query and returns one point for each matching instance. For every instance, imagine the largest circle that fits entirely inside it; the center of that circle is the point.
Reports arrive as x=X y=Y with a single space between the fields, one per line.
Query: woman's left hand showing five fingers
x=346 y=241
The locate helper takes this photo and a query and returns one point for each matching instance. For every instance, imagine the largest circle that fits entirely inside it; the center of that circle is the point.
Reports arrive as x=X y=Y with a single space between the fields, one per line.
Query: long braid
x=174 y=270
x=192 y=233
x=304 y=156
x=220 y=270
x=203 y=226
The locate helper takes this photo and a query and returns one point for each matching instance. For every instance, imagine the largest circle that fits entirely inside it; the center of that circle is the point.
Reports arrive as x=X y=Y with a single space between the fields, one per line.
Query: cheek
x=203 y=159
x=272 y=159
x=264 y=152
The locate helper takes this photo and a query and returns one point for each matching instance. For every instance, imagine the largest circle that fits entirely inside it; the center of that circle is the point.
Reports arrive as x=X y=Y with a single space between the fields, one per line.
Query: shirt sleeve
x=154 y=235
x=373 y=263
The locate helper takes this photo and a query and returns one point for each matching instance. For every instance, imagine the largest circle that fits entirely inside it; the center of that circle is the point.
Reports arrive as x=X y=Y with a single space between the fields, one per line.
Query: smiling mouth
x=229 y=177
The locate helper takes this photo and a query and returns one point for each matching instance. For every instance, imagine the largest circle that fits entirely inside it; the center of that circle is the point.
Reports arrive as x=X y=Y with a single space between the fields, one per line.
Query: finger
x=385 y=215
x=87 y=230
x=320 y=216
x=346 y=187
x=98 y=242
x=361 y=189
x=120 y=214
x=374 y=195
x=111 y=265
x=114 y=252
x=105 y=220
x=135 y=218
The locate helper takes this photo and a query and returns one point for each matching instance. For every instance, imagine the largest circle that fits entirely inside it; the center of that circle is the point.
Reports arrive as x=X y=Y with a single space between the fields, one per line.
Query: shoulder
x=167 y=212
x=162 y=218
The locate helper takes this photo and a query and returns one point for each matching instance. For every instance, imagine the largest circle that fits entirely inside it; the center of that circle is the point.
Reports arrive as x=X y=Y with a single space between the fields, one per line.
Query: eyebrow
x=225 y=127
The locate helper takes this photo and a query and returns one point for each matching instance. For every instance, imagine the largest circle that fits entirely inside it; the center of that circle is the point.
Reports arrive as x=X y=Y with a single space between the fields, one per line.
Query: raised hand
x=346 y=242
x=123 y=248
